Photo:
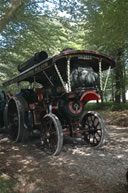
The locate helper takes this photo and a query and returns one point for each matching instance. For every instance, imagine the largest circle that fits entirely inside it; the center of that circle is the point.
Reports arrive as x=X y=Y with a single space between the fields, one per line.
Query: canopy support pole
x=100 y=73
x=68 y=74
x=61 y=79
x=34 y=81
x=48 y=78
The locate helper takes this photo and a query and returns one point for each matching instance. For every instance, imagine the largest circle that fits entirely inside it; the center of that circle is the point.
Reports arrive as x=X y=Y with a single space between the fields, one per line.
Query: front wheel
x=93 y=129
x=51 y=134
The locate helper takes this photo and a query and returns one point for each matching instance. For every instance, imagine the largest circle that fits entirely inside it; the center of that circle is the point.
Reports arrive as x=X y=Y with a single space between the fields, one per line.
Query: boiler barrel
x=38 y=57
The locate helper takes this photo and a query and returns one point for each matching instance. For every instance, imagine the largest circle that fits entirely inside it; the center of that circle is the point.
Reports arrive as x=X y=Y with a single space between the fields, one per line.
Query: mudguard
x=89 y=96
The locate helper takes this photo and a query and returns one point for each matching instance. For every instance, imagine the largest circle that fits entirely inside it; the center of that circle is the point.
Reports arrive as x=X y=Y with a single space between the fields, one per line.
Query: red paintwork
x=39 y=92
x=90 y=95
x=54 y=107
x=73 y=111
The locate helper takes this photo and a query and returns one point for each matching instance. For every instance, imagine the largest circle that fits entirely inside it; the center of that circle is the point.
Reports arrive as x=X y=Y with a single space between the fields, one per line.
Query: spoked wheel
x=51 y=134
x=93 y=129
x=15 y=119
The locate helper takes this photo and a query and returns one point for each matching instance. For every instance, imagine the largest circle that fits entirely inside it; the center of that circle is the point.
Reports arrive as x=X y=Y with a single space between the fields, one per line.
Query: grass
x=7 y=184
x=106 y=106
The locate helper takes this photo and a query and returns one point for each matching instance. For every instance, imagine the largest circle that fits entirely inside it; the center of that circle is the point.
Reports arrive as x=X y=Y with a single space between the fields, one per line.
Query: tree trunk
x=123 y=96
x=9 y=12
x=123 y=86
x=112 y=86
x=118 y=75
x=102 y=97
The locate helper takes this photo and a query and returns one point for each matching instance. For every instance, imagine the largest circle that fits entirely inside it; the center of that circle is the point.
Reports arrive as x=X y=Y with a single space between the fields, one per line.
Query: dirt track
x=78 y=169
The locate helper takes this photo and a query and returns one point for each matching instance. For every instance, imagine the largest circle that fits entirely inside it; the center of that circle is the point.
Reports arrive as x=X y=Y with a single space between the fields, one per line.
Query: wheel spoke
x=99 y=134
x=96 y=125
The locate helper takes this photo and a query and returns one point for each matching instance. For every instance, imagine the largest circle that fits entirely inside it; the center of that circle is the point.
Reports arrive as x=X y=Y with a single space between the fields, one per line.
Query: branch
x=9 y=12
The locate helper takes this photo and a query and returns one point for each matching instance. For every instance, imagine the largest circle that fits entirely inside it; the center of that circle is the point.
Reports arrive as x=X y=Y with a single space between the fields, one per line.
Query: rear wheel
x=93 y=129
x=15 y=119
x=51 y=134
x=6 y=117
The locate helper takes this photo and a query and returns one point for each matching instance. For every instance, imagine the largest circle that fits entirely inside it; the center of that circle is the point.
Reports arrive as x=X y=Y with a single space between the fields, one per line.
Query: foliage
x=110 y=106
x=6 y=184
x=34 y=28
x=104 y=22
x=52 y=25
x=105 y=27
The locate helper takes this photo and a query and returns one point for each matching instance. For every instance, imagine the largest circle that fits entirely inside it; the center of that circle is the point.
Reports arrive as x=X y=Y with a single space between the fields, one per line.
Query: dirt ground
x=25 y=168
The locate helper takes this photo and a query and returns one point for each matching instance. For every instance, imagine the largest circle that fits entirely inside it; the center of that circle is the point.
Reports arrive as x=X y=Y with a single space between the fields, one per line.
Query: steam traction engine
x=58 y=108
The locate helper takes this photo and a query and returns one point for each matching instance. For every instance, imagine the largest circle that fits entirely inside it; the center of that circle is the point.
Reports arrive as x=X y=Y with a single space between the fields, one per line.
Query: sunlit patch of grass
x=106 y=106
x=7 y=184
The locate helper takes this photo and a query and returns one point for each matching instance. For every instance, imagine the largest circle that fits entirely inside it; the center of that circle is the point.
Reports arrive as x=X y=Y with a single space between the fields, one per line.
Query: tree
x=9 y=12
x=113 y=37
x=105 y=24
x=40 y=32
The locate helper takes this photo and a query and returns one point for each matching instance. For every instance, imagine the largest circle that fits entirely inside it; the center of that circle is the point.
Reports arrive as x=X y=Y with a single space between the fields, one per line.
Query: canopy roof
x=45 y=70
